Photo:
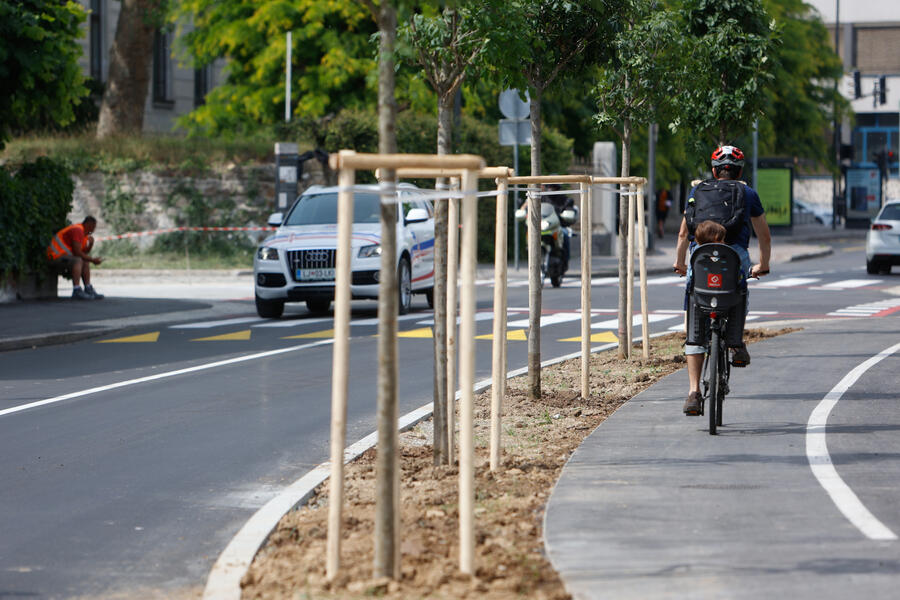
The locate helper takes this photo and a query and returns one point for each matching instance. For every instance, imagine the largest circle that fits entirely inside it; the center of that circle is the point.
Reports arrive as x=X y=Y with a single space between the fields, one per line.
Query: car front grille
x=310 y=259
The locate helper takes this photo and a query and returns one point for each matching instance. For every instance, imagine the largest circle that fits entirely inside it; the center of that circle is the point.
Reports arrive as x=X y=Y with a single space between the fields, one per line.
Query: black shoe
x=92 y=293
x=80 y=294
x=692 y=404
x=739 y=356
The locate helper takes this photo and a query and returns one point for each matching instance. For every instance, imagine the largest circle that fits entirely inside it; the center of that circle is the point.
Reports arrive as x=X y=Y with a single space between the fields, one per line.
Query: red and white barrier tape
x=132 y=234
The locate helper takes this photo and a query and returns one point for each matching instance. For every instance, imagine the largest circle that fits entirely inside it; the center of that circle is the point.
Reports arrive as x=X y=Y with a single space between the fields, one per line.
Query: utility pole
x=836 y=186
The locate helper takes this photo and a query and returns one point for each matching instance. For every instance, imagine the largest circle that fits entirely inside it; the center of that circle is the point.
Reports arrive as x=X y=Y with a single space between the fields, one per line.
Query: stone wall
x=148 y=200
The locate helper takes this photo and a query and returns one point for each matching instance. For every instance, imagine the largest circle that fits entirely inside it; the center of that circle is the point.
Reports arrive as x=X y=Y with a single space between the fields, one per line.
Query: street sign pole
x=515 y=130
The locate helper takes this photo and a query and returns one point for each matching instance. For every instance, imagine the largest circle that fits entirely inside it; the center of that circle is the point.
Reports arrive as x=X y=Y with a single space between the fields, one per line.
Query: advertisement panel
x=775 y=190
x=863 y=193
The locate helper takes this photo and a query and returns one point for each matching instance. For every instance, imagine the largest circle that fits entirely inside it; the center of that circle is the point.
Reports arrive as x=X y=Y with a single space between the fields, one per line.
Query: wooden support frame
x=347 y=162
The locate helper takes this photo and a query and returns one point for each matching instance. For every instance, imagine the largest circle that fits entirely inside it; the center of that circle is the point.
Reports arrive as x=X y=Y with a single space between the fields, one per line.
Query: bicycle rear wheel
x=723 y=382
x=715 y=403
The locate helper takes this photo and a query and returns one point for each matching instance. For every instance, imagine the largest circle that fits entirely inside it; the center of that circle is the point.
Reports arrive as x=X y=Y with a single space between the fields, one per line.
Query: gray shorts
x=63 y=265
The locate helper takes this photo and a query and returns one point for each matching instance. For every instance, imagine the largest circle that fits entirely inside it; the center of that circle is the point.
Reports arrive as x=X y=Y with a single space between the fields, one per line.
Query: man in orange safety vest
x=68 y=253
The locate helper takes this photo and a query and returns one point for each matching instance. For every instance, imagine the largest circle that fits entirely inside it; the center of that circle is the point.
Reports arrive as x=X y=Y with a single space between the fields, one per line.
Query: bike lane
x=652 y=506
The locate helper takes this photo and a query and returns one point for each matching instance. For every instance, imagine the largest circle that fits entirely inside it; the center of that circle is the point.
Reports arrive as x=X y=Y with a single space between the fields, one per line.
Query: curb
x=817 y=254
x=224 y=580
x=49 y=339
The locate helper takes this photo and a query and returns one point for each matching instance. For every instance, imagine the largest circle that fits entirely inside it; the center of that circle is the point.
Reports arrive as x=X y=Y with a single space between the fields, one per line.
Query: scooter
x=554 y=229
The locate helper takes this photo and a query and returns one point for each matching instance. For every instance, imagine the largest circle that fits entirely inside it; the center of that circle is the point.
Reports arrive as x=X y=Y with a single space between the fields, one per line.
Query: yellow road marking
x=513 y=335
x=605 y=336
x=324 y=334
x=226 y=337
x=132 y=339
x=424 y=332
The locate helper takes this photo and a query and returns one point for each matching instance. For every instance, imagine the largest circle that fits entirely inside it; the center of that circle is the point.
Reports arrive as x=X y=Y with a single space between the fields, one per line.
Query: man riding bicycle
x=736 y=206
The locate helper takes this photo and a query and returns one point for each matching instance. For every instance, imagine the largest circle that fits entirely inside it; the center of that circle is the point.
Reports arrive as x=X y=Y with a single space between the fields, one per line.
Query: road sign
x=512 y=106
x=515 y=132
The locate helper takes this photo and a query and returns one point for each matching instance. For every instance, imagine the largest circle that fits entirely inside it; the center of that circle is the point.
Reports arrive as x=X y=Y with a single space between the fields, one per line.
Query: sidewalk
x=135 y=298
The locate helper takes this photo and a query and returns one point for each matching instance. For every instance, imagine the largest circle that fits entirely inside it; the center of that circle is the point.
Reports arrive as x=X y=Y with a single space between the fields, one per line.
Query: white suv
x=296 y=263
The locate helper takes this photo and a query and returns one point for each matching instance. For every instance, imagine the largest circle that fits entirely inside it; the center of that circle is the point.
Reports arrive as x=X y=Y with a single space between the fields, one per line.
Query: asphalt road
x=141 y=486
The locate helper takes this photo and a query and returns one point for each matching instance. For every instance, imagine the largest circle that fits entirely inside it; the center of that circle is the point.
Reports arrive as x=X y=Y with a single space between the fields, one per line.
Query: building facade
x=175 y=88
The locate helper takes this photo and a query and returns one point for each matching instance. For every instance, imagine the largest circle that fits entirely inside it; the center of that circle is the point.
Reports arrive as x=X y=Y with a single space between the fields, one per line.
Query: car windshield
x=321 y=209
x=891 y=212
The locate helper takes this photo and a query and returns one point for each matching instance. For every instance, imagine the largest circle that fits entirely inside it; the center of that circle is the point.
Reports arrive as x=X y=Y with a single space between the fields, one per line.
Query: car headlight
x=545 y=225
x=266 y=253
x=370 y=251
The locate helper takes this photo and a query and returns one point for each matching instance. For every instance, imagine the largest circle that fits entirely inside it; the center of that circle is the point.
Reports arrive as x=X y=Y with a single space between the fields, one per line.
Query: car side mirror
x=416 y=215
x=275 y=219
x=568 y=216
x=520 y=214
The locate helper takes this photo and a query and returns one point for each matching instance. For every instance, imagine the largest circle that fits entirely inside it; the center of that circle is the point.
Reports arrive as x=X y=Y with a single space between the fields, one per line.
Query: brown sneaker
x=692 y=404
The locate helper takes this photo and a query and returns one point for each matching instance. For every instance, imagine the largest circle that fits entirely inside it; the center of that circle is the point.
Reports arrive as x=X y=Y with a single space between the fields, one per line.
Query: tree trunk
x=624 y=317
x=387 y=484
x=130 y=57
x=441 y=445
x=534 y=257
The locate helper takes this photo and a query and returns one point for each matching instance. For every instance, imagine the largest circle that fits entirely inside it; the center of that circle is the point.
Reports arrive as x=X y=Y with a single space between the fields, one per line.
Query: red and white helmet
x=728 y=156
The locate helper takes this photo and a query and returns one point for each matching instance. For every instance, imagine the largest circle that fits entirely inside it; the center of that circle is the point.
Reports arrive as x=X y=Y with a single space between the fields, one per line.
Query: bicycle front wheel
x=714 y=387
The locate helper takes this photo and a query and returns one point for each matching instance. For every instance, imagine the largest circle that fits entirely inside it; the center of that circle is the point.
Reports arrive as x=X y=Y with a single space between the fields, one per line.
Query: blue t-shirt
x=752 y=208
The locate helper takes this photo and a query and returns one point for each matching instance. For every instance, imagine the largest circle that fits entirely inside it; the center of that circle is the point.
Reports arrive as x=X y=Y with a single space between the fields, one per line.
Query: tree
x=122 y=107
x=447 y=44
x=39 y=72
x=632 y=89
x=731 y=42
x=552 y=40
x=333 y=64
x=801 y=98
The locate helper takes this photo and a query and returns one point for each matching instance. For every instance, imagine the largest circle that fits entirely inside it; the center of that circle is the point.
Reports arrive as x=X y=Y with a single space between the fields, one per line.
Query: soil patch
x=537 y=439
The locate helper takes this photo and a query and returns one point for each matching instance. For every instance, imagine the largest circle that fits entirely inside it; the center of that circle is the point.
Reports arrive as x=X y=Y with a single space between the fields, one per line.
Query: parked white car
x=296 y=263
x=806 y=212
x=883 y=239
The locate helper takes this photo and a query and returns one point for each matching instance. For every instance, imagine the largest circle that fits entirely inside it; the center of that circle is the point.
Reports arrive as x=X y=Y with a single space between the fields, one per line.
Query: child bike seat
x=717 y=282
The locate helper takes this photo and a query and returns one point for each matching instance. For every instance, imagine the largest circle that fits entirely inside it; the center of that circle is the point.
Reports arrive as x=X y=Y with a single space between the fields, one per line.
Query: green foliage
x=731 y=43
x=801 y=99
x=34 y=203
x=84 y=152
x=39 y=72
x=333 y=62
x=193 y=209
x=121 y=209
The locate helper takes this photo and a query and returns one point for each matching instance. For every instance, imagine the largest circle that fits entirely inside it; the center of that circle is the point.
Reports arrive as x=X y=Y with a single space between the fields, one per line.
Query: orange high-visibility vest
x=58 y=247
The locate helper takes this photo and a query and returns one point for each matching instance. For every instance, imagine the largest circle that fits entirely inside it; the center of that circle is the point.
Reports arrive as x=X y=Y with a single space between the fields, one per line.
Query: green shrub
x=34 y=203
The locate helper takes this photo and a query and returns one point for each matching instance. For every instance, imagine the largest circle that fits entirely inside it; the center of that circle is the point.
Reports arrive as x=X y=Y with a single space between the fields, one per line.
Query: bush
x=34 y=203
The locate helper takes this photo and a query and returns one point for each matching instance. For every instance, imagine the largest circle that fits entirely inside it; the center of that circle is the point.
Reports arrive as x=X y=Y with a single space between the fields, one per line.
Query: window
x=162 y=81
x=96 y=40
x=875 y=132
x=202 y=84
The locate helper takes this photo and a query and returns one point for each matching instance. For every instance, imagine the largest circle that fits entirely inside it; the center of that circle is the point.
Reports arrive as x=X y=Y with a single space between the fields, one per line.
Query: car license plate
x=315 y=274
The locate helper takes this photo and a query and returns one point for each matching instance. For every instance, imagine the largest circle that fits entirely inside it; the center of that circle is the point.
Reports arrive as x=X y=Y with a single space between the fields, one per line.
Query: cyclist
x=727 y=164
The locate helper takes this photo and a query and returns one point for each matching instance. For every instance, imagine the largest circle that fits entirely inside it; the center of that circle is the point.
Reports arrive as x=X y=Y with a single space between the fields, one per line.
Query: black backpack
x=719 y=200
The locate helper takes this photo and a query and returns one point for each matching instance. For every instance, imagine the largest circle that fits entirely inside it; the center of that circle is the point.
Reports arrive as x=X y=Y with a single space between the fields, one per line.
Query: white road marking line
x=847 y=284
x=548 y=319
x=293 y=322
x=482 y=316
x=129 y=382
x=680 y=327
x=636 y=321
x=820 y=461
x=374 y=321
x=665 y=280
x=867 y=309
x=210 y=324
x=786 y=282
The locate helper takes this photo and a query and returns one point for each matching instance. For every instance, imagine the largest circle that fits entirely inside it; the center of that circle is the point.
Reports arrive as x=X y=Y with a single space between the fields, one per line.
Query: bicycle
x=717 y=288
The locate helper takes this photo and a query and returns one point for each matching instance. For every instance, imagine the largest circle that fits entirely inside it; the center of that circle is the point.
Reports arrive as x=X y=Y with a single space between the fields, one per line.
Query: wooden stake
x=467 y=376
x=629 y=292
x=585 y=290
x=452 y=329
x=642 y=262
x=498 y=390
x=340 y=369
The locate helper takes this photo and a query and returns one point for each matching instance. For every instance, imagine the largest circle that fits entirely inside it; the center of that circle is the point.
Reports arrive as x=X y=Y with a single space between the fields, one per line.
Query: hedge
x=417 y=133
x=34 y=202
